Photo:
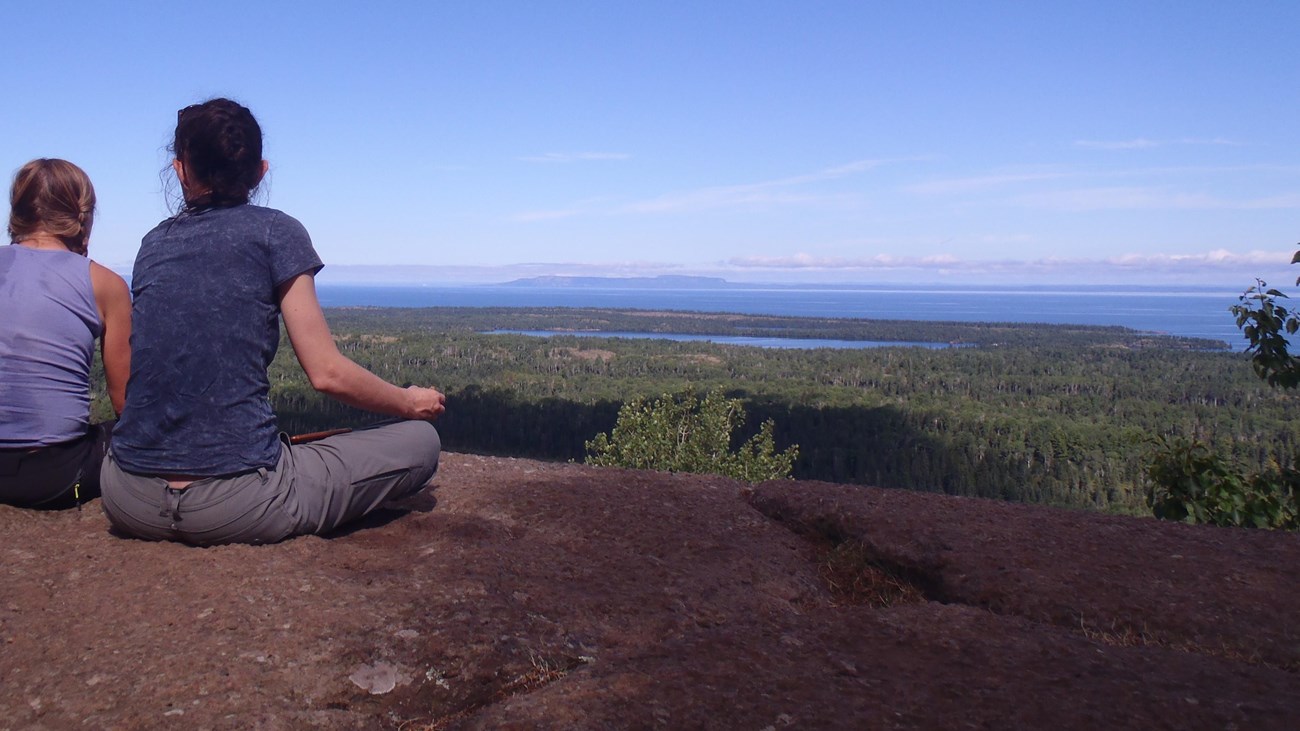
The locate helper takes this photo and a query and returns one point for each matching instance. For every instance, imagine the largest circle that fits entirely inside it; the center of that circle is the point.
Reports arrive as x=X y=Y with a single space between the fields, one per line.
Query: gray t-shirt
x=205 y=324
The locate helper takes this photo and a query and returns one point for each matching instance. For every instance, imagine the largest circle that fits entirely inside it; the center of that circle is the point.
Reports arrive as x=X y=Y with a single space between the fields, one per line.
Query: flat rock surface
x=524 y=595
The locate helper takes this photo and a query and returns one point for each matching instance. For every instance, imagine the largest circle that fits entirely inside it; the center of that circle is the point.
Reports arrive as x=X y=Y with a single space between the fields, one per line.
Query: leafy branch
x=1190 y=483
x=1266 y=323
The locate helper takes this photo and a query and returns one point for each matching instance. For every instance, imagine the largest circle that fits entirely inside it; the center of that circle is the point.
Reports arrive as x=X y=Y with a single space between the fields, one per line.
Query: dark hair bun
x=220 y=144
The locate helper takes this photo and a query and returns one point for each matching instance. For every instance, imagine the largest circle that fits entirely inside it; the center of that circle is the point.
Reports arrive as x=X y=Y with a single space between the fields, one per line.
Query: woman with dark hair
x=197 y=456
x=55 y=303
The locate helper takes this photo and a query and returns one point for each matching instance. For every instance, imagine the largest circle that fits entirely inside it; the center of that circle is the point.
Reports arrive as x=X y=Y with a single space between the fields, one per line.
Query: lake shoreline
x=1183 y=311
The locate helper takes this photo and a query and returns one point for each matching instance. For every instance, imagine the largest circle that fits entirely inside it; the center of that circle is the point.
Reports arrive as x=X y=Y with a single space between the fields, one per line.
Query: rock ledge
x=526 y=595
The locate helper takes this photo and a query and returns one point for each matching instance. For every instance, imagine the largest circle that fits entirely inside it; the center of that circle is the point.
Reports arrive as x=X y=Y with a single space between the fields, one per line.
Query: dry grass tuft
x=855 y=576
x=1125 y=635
x=542 y=671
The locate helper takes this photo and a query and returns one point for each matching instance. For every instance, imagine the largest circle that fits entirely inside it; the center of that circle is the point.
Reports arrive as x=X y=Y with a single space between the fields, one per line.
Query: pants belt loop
x=171 y=506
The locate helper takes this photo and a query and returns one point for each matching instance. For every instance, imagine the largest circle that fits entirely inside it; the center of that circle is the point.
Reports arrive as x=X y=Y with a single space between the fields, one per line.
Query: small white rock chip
x=377 y=679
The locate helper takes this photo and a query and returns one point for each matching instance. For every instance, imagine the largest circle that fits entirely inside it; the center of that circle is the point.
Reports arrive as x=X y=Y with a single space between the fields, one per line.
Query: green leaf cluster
x=1266 y=323
x=1193 y=484
x=690 y=434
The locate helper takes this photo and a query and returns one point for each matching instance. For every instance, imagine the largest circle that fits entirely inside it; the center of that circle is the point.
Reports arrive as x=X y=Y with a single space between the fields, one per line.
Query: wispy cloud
x=578 y=208
x=1145 y=198
x=777 y=192
x=768 y=192
x=808 y=261
x=712 y=198
x=565 y=157
x=1285 y=200
x=1217 y=259
x=982 y=182
x=1010 y=179
x=1215 y=267
x=1142 y=143
x=1112 y=198
x=484 y=274
x=552 y=215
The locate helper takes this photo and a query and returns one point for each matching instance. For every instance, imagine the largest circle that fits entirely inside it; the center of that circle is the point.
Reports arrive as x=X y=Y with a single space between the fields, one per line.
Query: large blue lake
x=1194 y=312
x=783 y=343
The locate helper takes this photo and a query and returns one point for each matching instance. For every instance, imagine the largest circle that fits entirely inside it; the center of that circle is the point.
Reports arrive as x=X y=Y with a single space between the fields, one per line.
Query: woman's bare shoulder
x=106 y=281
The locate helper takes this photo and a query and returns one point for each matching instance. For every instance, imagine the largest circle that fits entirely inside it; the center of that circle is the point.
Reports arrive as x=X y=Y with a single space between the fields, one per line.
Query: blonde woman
x=54 y=303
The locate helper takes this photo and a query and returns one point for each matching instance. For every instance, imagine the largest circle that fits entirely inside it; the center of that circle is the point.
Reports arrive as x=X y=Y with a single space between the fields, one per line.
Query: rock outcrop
x=527 y=595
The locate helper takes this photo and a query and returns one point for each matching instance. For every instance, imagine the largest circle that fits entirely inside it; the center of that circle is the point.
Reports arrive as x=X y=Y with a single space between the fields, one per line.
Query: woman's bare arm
x=333 y=373
x=113 y=299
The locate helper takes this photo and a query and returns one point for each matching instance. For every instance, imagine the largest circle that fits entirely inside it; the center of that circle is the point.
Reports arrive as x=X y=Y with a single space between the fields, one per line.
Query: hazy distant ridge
x=664 y=281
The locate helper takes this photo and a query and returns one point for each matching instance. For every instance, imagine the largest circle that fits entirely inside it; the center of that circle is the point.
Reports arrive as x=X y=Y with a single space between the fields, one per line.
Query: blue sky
x=760 y=141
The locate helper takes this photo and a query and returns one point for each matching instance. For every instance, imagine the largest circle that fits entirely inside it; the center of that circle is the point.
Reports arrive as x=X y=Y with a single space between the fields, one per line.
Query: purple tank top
x=48 y=325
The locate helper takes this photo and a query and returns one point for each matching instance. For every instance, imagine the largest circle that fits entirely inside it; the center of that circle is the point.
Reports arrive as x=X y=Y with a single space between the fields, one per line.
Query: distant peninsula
x=663 y=281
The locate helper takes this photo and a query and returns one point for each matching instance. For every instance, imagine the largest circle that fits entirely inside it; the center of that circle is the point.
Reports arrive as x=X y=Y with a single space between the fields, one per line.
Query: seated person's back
x=198 y=456
x=56 y=302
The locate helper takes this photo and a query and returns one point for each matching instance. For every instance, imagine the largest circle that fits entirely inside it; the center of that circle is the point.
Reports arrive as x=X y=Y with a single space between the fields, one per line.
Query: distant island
x=663 y=281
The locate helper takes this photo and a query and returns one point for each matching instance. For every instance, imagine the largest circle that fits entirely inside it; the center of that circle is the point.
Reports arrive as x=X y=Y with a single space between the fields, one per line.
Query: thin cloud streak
x=566 y=157
x=1215 y=267
x=996 y=180
x=961 y=185
x=749 y=193
x=714 y=198
x=777 y=192
x=1142 y=143
x=554 y=215
x=1216 y=259
x=579 y=208
x=1140 y=198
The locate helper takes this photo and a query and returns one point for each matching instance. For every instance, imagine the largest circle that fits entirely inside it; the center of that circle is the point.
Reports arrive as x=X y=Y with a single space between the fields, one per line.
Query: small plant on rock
x=690 y=434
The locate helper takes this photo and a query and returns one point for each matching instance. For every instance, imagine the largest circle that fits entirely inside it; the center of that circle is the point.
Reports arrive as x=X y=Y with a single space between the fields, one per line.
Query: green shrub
x=1191 y=483
x=689 y=434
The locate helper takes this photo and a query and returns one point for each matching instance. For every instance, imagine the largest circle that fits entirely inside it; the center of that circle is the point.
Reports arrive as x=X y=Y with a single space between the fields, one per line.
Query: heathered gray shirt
x=48 y=325
x=205 y=324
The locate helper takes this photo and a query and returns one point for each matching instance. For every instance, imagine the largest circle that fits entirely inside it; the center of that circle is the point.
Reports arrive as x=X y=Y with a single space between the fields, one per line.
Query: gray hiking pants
x=314 y=488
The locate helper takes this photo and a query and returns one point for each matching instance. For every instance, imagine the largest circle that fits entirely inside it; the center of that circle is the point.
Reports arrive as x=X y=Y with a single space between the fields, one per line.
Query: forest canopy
x=1062 y=415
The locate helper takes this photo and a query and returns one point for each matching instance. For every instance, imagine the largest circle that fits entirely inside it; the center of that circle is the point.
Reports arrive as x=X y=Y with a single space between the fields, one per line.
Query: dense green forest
x=1053 y=414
